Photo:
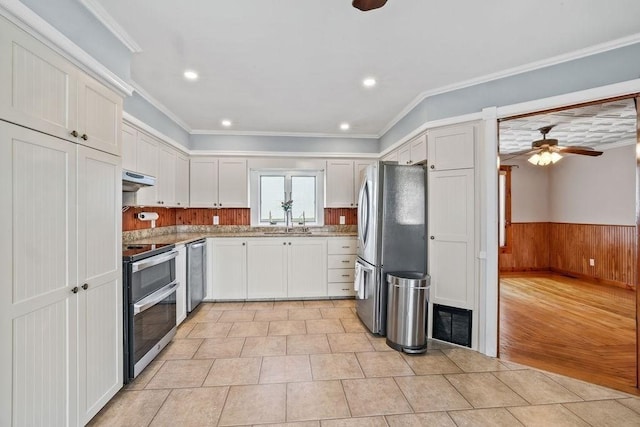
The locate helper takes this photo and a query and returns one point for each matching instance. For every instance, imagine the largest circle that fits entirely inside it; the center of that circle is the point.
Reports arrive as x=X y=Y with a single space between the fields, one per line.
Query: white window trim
x=254 y=187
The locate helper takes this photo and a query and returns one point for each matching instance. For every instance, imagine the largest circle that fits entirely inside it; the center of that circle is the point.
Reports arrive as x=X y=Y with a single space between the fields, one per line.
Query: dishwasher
x=196 y=273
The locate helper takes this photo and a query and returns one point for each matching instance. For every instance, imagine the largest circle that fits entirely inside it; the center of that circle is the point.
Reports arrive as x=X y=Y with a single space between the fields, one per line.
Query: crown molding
x=32 y=23
x=532 y=66
x=160 y=106
x=111 y=24
x=304 y=154
x=292 y=134
x=134 y=121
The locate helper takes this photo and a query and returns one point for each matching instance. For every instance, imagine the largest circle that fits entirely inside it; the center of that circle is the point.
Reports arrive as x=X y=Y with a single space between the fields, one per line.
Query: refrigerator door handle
x=363 y=208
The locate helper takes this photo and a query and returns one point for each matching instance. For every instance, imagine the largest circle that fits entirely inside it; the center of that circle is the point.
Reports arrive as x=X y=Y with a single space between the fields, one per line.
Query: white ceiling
x=296 y=66
x=597 y=126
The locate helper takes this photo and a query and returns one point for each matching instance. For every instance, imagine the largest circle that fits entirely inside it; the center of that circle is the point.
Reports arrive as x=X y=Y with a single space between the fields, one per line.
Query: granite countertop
x=186 y=234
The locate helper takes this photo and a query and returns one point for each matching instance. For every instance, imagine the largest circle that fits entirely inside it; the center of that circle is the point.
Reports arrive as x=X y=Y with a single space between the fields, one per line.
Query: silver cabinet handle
x=141 y=265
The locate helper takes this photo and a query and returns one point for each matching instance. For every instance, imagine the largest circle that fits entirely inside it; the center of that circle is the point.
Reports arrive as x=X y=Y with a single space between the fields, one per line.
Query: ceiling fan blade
x=510 y=156
x=365 y=5
x=583 y=151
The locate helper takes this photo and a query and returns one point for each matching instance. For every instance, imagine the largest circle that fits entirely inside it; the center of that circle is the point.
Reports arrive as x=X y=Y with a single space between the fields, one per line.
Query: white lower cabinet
x=181 y=277
x=286 y=268
x=267 y=268
x=228 y=269
x=61 y=299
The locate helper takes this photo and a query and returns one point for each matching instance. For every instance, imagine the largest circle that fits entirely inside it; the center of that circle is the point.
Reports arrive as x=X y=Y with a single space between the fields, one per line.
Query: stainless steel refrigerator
x=392 y=234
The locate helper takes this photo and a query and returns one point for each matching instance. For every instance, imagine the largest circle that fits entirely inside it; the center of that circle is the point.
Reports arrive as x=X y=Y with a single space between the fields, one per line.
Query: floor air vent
x=452 y=324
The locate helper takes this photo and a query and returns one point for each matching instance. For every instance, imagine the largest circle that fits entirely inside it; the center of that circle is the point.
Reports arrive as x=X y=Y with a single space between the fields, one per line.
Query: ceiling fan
x=365 y=5
x=546 y=150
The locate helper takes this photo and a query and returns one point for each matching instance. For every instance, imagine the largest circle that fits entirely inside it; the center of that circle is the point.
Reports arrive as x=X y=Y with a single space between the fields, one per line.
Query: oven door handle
x=150 y=262
x=154 y=298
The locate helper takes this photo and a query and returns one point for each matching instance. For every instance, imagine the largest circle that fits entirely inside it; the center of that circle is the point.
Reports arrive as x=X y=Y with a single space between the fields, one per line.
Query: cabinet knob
x=432 y=166
x=408 y=162
x=178 y=203
x=351 y=204
x=85 y=286
x=243 y=243
x=215 y=204
x=75 y=289
x=84 y=136
x=284 y=243
x=432 y=237
x=219 y=204
x=74 y=133
x=289 y=243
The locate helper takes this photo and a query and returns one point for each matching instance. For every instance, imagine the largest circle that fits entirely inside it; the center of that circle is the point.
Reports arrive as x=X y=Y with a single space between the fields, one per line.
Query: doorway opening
x=568 y=242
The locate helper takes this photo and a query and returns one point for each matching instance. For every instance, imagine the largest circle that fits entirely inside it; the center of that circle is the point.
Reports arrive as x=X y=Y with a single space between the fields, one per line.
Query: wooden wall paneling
x=332 y=216
x=529 y=248
x=204 y=216
x=612 y=247
x=130 y=221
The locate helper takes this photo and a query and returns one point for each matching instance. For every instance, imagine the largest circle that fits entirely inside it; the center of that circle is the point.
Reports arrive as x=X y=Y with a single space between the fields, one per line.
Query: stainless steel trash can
x=407 y=307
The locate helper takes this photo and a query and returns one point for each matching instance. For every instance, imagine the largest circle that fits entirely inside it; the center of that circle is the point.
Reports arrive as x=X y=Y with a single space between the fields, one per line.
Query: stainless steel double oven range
x=150 y=303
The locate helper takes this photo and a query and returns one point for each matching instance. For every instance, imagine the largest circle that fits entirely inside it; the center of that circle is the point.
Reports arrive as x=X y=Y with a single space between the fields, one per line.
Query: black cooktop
x=136 y=252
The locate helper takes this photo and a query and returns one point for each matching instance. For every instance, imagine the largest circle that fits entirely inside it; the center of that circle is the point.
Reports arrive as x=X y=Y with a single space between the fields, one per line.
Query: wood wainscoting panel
x=332 y=216
x=130 y=221
x=529 y=248
x=612 y=247
x=226 y=216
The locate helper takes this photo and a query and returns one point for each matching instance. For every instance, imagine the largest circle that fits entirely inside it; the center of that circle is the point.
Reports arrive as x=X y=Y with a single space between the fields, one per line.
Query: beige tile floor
x=312 y=363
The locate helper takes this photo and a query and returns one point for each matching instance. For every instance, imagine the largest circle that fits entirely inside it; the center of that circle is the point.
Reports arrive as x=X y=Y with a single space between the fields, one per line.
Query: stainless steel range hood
x=132 y=181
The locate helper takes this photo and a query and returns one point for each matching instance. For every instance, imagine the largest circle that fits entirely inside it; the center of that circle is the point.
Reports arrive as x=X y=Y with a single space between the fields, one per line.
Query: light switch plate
x=216 y=220
x=342 y=220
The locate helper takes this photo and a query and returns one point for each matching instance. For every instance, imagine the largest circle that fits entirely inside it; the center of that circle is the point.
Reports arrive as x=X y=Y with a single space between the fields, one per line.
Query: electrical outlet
x=343 y=220
x=216 y=220
x=592 y=262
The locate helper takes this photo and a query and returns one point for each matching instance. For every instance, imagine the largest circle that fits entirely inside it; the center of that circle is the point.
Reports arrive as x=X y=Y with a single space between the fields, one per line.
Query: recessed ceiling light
x=369 y=82
x=344 y=126
x=190 y=75
x=226 y=123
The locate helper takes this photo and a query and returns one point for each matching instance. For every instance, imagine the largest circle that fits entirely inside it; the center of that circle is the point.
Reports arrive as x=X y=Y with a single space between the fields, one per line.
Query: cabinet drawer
x=341 y=275
x=342 y=261
x=340 y=290
x=342 y=246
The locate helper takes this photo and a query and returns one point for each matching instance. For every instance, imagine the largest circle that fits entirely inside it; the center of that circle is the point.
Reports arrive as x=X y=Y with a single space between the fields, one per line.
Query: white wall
x=529 y=192
x=595 y=190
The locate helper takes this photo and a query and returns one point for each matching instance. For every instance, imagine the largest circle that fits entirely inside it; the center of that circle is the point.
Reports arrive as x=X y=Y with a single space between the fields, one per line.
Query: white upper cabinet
x=233 y=189
x=129 y=147
x=218 y=183
x=182 y=180
x=42 y=90
x=166 y=179
x=391 y=157
x=413 y=152
x=452 y=147
x=203 y=182
x=340 y=192
x=147 y=164
x=343 y=182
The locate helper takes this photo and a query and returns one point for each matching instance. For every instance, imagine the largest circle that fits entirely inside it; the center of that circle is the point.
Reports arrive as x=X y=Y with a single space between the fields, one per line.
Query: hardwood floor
x=569 y=326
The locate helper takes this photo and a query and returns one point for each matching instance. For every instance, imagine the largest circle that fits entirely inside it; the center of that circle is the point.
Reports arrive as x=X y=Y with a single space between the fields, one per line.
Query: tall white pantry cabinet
x=60 y=227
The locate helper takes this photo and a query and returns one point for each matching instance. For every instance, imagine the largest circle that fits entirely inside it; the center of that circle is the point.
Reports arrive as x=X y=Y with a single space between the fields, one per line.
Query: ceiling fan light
x=555 y=157
x=534 y=159
x=545 y=158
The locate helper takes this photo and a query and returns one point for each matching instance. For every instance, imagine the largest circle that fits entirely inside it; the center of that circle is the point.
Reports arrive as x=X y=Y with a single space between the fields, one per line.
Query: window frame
x=508 y=235
x=255 y=191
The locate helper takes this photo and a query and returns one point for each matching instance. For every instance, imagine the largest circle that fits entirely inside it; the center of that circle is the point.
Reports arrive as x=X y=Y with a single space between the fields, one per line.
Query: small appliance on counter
x=149 y=279
x=392 y=235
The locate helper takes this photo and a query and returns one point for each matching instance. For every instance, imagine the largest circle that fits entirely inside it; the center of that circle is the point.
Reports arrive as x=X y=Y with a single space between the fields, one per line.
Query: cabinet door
x=307 y=267
x=229 y=273
x=100 y=279
x=203 y=182
x=129 y=136
x=267 y=268
x=182 y=181
x=404 y=155
x=451 y=148
x=391 y=157
x=451 y=244
x=181 y=277
x=37 y=86
x=359 y=166
x=419 y=149
x=339 y=193
x=147 y=163
x=166 y=182
x=38 y=270
x=99 y=116
x=233 y=191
